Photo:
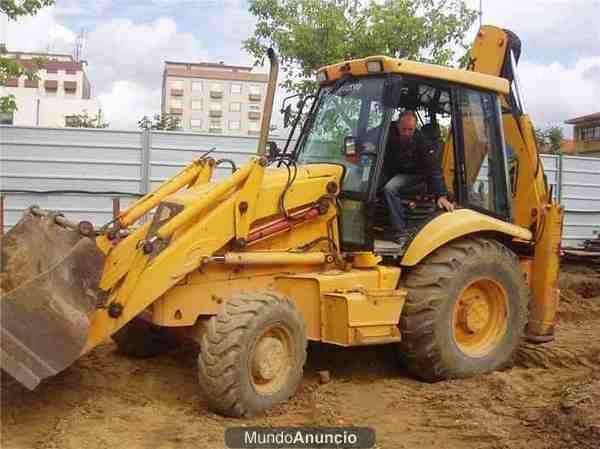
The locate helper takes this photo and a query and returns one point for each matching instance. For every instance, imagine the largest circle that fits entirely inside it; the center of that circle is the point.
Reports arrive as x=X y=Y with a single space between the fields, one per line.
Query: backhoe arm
x=496 y=52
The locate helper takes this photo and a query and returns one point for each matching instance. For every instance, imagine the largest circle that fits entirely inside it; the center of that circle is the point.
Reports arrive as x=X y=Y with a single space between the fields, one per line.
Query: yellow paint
x=452 y=225
x=358 y=67
x=248 y=199
x=120 y=258
x=488 y=50
x=207 y=201
x=204 y=227
x=198 y=171
x=448 y=167
x=544 y=276
x=479 y=318
x=365 y=260
x=362 y=317
x=307 y=290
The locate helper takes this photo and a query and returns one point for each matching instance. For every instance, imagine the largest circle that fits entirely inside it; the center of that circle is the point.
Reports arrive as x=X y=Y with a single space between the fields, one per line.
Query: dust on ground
x=549 y=400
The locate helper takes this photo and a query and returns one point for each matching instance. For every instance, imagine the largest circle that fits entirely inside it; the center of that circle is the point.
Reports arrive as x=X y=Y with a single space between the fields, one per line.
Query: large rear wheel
x=252 y=354
x=466 y=310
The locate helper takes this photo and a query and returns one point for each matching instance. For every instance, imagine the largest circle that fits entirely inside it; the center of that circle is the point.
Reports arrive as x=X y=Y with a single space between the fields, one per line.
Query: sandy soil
x=550 y=399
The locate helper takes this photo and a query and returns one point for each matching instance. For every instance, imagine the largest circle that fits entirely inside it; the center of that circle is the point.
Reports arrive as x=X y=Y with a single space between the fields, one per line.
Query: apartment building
x=63 y=90
x=587 y=134
x=214 y=97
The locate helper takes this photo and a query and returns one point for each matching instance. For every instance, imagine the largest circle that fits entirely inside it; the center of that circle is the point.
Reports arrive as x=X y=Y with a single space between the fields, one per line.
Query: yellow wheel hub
x=270 y=361
x=480 y=317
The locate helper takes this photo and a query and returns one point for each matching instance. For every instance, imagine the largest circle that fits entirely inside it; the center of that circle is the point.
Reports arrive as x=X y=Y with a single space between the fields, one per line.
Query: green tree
x=556 y=139
x=550 y=139
x=309 y=34
x=84 y=120
x=540 y=138
x=162 y=121
x=10 y=68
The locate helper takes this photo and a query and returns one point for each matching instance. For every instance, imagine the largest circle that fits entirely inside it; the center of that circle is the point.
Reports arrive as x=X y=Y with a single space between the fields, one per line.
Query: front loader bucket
x=48 y=286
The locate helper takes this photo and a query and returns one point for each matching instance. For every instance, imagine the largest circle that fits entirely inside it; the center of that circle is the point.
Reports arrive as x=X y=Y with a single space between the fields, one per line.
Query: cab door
x=481 y=154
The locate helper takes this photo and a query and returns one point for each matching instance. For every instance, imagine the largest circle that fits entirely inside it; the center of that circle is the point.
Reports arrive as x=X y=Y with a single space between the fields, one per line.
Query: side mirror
x=349 y=148
x=272 y=149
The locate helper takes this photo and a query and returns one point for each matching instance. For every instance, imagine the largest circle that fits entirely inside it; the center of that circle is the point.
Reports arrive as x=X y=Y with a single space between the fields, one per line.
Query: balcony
x=254 y=97
x=215 y=113
x=51 y=85
x=70 y=86
x=216 y=94
x=177 y=92
x=253 y=115
x=13 y=82
x=176 y=111
x=32 y=83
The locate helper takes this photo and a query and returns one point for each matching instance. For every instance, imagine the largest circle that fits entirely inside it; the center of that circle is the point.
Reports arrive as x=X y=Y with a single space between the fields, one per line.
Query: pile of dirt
x=575 y=420
x=550 y=399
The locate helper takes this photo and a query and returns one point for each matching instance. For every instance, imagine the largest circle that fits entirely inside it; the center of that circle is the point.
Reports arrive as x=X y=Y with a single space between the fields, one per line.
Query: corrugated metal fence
x=126 y=164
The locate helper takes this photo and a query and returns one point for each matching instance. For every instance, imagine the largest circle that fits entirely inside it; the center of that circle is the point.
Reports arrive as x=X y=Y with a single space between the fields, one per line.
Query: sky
x=128 y=40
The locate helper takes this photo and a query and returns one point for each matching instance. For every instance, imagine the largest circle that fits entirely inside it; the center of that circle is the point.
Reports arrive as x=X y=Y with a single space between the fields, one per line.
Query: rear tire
x=465 y=312
x=141 y=339
x=252 y=354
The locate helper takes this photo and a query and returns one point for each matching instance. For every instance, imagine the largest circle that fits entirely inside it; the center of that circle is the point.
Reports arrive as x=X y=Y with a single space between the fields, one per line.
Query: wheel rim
x=271 y=361
x=480 y=317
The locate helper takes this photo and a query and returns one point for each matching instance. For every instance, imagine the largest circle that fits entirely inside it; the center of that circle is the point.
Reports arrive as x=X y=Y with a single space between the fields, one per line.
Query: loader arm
x=206 y=224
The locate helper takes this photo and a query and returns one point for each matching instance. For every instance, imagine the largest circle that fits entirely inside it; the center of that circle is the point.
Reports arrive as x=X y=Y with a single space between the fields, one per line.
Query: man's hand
x=443 y=203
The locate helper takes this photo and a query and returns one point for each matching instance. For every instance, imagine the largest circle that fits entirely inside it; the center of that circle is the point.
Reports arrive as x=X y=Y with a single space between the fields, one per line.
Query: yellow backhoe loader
x=293 y=246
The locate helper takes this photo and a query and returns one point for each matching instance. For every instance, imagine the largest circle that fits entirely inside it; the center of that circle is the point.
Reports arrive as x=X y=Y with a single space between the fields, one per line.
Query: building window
x=176 y=103
x=253 y=126
x=591 y=133
x=197 y=105
x=216 y=90
x=6 y=118
x=196 y=123
x=235 y=107
x=215 y=109
x=253 y=108
x=215 y=126
x=234 y=124
x=254 y=90
x=236 y=88
x=196 y=86
x=177 y=84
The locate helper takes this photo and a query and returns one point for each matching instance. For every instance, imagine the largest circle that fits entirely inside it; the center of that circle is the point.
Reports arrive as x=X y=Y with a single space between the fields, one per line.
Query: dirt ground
x=550 y=399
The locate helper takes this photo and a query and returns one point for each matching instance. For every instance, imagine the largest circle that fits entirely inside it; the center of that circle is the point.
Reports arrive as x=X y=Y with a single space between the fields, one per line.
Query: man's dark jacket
x=421 y=156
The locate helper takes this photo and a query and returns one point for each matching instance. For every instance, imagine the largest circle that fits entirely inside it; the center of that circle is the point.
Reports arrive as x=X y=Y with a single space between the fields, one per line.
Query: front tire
x=252 y=354
x=466 y=310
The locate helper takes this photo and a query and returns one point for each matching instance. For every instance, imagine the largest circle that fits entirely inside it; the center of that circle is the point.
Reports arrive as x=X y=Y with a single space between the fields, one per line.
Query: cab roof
x=358 y=67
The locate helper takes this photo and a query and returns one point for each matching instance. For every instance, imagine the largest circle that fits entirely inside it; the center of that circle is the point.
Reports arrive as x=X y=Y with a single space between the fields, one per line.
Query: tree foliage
x=309 y=34
x=9 y=68
x=15 y=9
x=163 y=121
x=84 y=120
x=550 y=139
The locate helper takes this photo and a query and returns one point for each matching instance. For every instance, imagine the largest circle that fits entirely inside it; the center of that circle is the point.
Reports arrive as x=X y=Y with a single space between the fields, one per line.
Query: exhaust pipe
x=266 y=119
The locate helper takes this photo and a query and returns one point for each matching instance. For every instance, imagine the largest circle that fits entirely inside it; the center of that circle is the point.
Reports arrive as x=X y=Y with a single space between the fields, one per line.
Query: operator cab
x=349 y=125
